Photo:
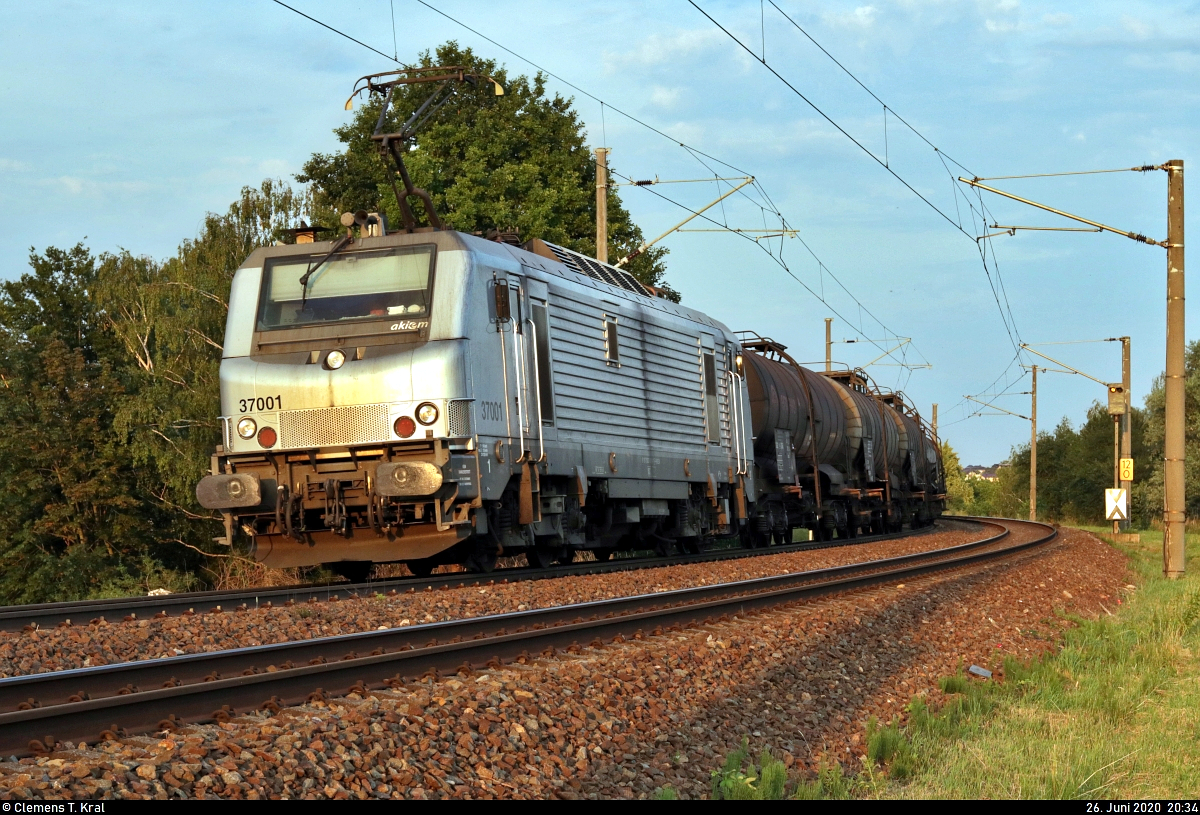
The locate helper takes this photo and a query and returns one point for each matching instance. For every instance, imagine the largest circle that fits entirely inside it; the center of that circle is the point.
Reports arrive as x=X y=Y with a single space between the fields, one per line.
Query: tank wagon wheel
x=356 y=571
x=539 y=557
x=566 y=557
x=753 y=539
x=603 y=554
x=421 y=568
x=483 y=560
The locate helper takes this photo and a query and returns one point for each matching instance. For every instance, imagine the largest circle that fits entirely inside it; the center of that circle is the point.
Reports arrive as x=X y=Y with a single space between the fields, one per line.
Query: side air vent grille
x=458 y=418
x=597 y=270
x=331 y=427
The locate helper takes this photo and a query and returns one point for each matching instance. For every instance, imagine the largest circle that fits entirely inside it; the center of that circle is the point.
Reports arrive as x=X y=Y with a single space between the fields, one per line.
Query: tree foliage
x=1075 y=466
x=517 y=160
x=72 y=518
x=110 y=393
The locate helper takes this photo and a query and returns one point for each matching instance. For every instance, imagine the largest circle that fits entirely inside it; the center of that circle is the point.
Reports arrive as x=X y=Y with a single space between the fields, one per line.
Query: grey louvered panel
x=676 y=362
x=581 y=415
x=654 y=395
x=592 y=389
x=656 y=377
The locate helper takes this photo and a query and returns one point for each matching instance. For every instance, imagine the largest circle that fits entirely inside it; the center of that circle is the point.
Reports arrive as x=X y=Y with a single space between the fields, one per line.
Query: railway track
x=162 y=694
x=44 y=615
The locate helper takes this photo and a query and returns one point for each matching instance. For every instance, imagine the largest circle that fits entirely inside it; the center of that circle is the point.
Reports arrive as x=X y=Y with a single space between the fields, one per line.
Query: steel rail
x=474 y=642
x=45 y=615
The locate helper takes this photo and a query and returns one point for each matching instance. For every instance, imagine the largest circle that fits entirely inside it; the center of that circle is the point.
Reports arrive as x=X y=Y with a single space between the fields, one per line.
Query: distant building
x=980 y=472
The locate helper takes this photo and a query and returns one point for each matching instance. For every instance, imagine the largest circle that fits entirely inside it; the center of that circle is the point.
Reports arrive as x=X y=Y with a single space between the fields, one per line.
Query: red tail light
x=405 y=427
x=267 y=437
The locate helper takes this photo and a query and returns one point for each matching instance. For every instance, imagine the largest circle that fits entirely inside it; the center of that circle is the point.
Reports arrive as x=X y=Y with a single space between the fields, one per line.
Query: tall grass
x=1111 y=715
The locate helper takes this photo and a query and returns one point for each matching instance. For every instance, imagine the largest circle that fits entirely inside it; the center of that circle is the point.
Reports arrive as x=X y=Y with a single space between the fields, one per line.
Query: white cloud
x=11 y=166
x=275 y=167
x=657 y=49
x=1136 y=27
x=664 y=97
x=75 y=185
x=72 y=184
x=861 y=17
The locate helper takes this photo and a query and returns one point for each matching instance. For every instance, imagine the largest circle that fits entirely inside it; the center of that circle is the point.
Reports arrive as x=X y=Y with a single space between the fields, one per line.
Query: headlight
x=405 y=427
x=335 y=360
x=427 y=414
x=247 y=428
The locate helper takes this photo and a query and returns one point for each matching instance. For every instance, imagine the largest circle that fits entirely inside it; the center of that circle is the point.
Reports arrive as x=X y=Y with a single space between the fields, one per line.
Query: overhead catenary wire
x=784 y=266
x=1006 y=310
x=336 y=31
x=1007 y=318
x=697 y=154
x=1142 y=169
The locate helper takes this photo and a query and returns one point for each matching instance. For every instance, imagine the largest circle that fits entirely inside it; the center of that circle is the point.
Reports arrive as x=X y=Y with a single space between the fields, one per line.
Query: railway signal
x=1118 y=408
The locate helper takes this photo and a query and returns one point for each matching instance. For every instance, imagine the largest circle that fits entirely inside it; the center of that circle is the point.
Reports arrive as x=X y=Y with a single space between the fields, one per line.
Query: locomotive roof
x=582 y=270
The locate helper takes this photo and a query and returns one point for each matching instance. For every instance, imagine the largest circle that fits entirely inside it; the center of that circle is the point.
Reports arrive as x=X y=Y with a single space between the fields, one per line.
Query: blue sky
x=126 y=122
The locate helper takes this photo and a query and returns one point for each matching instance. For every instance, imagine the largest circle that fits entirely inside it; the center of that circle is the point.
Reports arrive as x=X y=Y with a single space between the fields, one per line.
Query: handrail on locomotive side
x=394 y=144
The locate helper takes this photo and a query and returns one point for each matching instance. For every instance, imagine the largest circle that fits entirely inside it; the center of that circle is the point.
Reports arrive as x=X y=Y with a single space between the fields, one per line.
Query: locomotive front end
x=345 y=403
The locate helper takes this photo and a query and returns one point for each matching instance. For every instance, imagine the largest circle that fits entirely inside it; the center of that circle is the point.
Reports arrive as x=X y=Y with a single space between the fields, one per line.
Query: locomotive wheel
x=421 y=568
x=690 y=545
x=566 y=557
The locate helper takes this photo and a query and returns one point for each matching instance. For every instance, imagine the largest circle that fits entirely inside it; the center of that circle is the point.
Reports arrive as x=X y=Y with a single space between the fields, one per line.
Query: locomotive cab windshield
x=392 y=283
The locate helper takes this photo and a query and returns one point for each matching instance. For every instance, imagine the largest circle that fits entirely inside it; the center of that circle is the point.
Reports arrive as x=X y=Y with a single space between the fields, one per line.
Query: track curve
x=163 y=693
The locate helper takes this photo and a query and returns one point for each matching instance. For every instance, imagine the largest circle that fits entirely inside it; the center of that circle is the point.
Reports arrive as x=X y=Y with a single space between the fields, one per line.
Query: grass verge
x=1110 y=715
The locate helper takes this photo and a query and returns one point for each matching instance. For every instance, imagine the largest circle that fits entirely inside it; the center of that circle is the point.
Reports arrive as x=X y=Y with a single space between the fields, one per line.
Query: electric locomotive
x=432 y=396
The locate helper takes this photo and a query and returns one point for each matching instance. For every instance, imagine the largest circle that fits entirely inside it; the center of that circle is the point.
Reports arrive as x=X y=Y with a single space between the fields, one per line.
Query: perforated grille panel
x=360 y=424
x=458 y=418
x=597 y=270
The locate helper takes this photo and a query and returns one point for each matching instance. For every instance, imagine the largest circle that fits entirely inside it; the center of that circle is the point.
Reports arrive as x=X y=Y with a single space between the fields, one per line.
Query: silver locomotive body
x=434 y=397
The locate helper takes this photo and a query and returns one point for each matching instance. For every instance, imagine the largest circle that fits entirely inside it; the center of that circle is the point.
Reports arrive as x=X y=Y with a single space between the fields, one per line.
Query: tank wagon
x=833 y=453
x=432 y=396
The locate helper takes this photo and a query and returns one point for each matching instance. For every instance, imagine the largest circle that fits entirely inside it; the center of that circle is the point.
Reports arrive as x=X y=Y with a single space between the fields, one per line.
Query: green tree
x=959 y=495
x=1148 y=491
x=170 y=320
x=109 y=392
x=489 y=162
x=1075 y=467
x=72 y=520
